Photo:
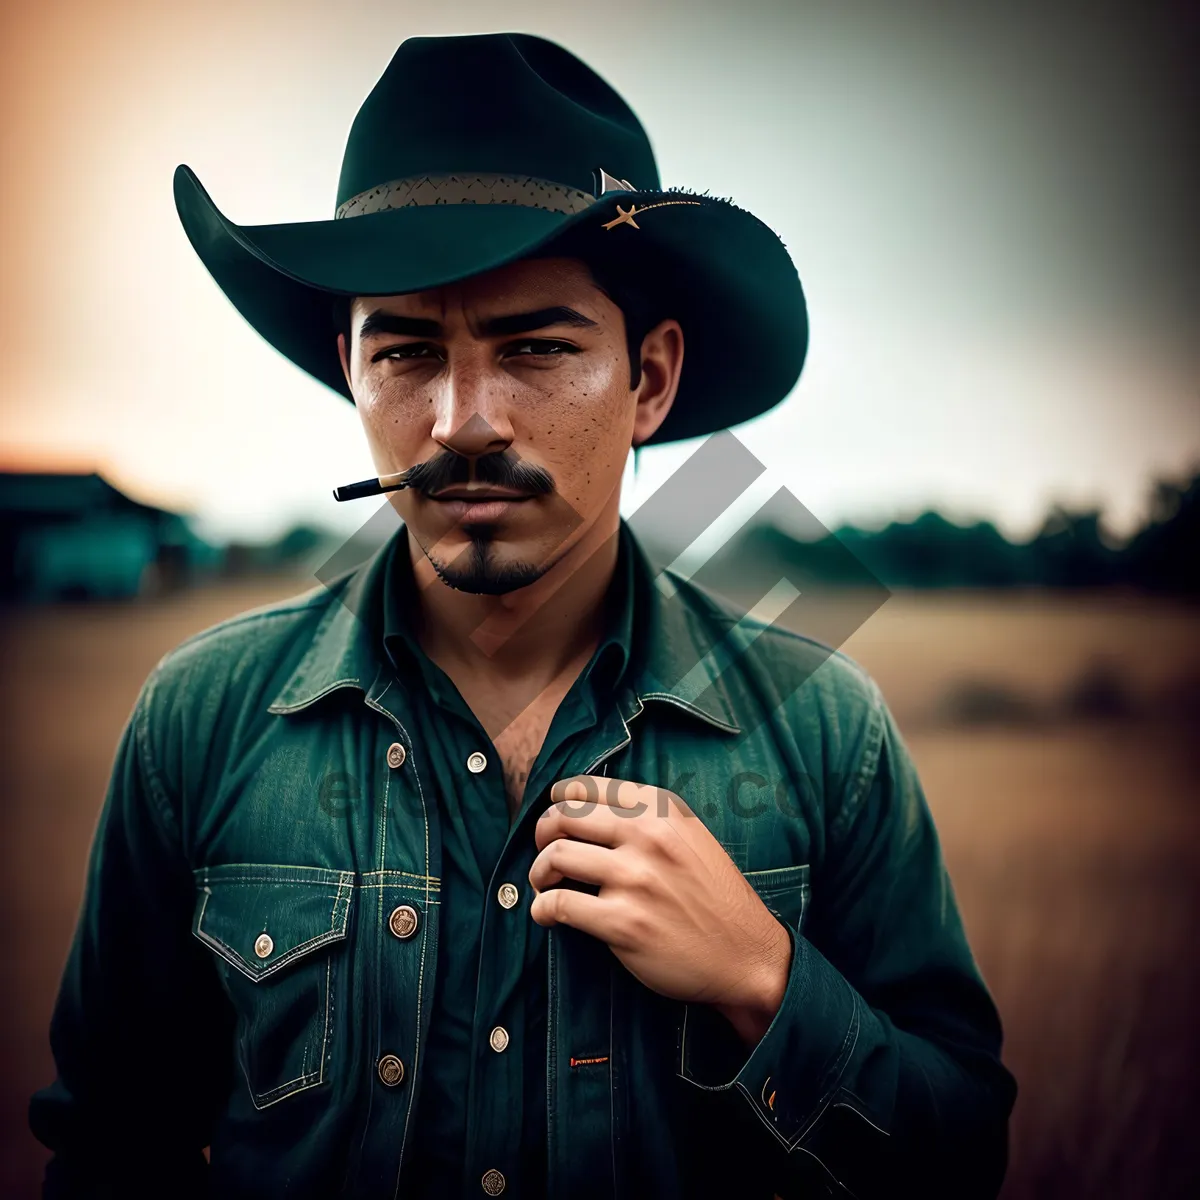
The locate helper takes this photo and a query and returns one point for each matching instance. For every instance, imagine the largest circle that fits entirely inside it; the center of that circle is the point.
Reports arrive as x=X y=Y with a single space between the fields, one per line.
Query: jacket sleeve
x=881 y=1069
x=139 y=1031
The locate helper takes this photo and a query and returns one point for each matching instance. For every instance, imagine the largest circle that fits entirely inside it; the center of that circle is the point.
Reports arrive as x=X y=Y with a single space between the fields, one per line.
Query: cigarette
x=372 y=487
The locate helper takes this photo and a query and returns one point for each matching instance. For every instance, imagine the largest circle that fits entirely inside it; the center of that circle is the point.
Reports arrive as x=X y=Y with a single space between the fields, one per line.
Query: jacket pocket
x=275 y=931
x=784 y=890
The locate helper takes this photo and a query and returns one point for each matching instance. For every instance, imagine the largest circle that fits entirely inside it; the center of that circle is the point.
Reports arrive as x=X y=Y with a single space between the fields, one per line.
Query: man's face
x=511 y=390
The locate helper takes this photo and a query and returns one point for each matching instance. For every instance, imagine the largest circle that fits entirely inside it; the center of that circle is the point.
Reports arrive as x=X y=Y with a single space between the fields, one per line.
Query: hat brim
x=724 y=275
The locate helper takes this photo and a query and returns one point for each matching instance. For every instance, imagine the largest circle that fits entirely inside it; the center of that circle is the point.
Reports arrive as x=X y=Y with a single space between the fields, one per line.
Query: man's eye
x=535 y=347
x=411 y=350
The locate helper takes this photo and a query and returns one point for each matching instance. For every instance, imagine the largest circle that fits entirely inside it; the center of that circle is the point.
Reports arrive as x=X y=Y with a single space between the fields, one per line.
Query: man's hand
x=672 y=905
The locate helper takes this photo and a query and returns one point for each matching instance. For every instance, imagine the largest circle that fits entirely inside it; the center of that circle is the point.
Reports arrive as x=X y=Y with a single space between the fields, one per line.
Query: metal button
x=499 y=1038
x=493 y=1182
x=476 y=762
x=263 y=945
x=403 y=921
x=391 y=1070
x=507 y=894
x=396 y=754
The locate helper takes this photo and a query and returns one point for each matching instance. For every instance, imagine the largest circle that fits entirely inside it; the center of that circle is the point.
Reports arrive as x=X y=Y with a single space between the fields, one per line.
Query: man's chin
x=483 y=569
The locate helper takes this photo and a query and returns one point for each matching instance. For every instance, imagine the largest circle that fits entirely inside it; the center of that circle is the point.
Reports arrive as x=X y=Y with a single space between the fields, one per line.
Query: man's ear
x=662 y=362
x=342 y=355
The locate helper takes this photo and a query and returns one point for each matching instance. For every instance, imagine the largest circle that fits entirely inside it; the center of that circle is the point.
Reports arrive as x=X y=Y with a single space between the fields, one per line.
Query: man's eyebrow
x=559 y=314
x=381 y=321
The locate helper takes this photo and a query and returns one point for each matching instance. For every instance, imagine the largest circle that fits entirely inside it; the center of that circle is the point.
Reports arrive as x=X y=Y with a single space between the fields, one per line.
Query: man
x=497 y=866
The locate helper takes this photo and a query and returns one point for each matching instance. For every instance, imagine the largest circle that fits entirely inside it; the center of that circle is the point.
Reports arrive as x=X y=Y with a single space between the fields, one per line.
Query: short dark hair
x=640 y=308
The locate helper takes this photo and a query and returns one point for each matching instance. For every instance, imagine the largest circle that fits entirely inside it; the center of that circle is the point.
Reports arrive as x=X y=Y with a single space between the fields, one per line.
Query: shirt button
x=476 y=762
x=396 y=754
x=263 y=945
x=403 y=921
x=493 y=1182
x=499 y=1038
x=507 y=894
x=391 y=1070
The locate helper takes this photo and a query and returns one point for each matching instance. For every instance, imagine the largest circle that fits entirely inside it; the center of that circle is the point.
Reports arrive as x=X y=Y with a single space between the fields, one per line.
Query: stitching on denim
x=286 y=709
x=306 y=1079
x=849 y=1041
x=299 y=1084
x=335 y=932
x=331 y=884
x=789 y=1148
x=268 y=873
x=855 y=794
x=783 y=879
x=693 y=709
x=682 y=1070
x=407 y=874
x=420 y=973
x=857 y=1112
x=378 y=707
x=145 y=757
x=232 y=957
x=328 y=1016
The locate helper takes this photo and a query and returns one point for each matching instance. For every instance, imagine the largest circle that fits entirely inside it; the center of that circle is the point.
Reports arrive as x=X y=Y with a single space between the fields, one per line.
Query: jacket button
x=507 y=894
x=391 y=1070
x=493 y=1182
x=403 y=921
x=263 y=945
x=396 y=754
x=476 y=762
x=499 y=1038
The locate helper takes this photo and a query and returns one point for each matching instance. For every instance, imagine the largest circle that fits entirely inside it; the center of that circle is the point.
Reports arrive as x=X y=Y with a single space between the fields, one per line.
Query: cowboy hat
x=472 y=152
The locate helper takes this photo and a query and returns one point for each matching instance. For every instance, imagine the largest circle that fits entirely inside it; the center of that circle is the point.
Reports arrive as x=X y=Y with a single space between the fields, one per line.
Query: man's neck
x=534 y=634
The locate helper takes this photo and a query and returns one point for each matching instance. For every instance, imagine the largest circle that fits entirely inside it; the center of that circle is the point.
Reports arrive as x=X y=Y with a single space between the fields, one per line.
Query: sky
x=988 y=206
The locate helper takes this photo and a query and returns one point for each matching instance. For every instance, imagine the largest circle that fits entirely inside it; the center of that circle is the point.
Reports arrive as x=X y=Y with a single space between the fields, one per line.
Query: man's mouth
x=478 y=494
x=478 y=504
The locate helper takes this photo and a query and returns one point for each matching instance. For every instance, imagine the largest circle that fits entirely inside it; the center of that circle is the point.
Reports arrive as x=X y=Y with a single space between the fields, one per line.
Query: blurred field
x=1074 y=845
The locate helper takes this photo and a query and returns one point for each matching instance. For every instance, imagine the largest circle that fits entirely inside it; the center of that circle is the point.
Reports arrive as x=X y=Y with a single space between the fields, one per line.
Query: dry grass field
x=1073 y=841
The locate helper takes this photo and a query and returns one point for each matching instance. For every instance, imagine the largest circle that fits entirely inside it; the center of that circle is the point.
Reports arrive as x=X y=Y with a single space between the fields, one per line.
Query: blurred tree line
x=1072 y=549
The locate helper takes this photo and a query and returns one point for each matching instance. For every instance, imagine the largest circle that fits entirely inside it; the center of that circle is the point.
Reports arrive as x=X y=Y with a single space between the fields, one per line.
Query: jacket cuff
x=795 y=1068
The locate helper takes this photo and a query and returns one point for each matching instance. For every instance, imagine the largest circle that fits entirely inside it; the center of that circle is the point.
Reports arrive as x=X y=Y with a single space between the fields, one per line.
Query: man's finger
x=628 y=797
x=565 y=906
x=604 y=824
x=565 y=858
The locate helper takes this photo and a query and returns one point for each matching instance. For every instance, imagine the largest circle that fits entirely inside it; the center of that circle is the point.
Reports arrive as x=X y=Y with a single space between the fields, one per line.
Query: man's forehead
x=533 y=283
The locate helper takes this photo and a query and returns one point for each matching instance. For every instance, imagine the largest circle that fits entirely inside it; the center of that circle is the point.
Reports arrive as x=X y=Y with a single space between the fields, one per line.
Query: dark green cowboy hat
x=472 y=152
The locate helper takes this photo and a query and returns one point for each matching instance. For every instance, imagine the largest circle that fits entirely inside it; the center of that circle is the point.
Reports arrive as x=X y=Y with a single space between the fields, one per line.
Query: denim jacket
x=233 y=982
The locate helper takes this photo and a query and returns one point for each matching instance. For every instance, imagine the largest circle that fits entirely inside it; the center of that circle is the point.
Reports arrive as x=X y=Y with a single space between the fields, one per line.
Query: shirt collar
x=665 y=640
x=605 y=669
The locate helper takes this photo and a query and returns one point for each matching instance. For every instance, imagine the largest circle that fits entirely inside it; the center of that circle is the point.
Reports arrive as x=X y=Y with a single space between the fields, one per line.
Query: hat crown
x=508 y=103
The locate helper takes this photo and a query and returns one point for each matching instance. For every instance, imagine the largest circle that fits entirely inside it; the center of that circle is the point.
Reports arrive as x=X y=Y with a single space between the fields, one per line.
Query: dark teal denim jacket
x=880 y=1073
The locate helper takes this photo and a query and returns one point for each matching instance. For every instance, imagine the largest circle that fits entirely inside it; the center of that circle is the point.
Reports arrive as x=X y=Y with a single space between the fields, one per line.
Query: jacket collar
x=678 y=652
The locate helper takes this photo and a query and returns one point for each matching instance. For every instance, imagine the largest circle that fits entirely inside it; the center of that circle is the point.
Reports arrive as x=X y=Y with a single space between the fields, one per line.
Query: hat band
x=477 y=188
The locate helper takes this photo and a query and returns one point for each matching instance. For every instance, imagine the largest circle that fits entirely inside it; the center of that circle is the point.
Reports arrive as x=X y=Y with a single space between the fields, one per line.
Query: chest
x=517 y=720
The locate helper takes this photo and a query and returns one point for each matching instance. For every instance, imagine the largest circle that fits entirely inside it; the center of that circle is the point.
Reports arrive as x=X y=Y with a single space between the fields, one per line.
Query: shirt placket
x=495 y=1135
x=497 y=1076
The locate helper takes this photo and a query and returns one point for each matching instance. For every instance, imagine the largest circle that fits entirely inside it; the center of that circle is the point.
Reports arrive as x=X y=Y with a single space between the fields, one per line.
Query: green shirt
x=492 y=973
x=260 y=957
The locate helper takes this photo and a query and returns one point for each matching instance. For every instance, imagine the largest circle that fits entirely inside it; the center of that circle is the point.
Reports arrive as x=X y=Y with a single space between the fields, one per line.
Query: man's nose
x=471 y=415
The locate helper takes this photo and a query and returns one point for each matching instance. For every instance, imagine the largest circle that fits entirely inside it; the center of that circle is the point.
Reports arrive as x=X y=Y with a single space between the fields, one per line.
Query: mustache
x=504 y=469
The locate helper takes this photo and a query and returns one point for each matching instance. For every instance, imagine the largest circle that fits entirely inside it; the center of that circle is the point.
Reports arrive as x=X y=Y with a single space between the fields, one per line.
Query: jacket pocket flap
x=784 y=890
x=776 y=880
x=260 y=919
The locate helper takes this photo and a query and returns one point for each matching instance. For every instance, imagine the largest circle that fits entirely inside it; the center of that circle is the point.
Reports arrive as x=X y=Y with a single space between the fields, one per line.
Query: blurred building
x=75 y=536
